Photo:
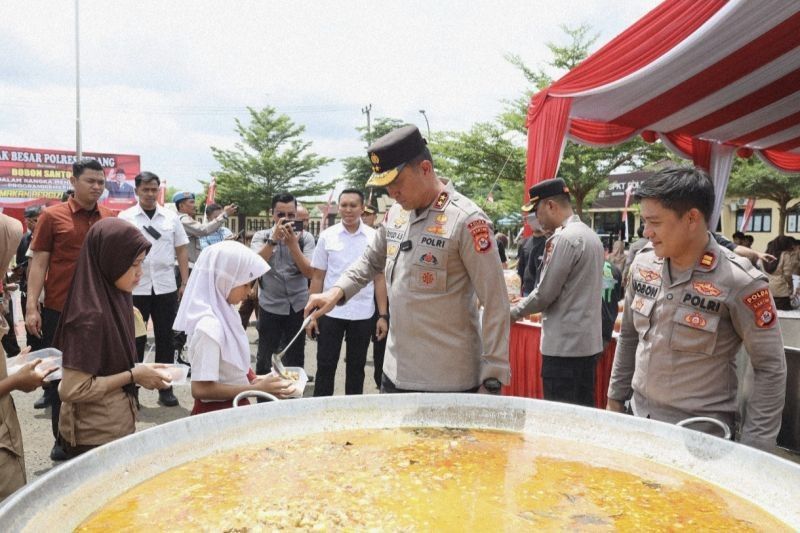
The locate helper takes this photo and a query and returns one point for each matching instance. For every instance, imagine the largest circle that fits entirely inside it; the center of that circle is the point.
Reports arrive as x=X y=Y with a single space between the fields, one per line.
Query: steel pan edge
x=77 y=488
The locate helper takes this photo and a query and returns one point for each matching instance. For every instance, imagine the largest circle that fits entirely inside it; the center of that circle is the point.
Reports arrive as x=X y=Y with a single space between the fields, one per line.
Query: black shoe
x=58 y=453
x=166 y=398
x=41 y=402
x=311 y=379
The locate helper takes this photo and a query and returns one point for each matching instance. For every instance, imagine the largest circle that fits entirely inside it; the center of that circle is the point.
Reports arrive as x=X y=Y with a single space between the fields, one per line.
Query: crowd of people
x=425 y=286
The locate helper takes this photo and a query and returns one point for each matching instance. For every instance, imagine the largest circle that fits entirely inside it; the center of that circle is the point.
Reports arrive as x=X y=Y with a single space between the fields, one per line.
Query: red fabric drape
x=786 y=146
x=779 y=40
x=701 y=154
x=652 y=36
x=547 y=127
x=600 y=133
x=683 y=143
x=782 y=160
x=526 y=365
x=779 y=125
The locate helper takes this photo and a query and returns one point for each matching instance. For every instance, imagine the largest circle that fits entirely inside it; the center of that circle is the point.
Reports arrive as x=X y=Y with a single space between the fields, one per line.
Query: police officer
x=689 y=305
x=568 y=296
x=436 y=248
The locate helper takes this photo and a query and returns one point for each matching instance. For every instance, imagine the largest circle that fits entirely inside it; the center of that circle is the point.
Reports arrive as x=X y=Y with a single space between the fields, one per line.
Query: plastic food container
x=177 y=372
x=51 y=358
x=299 y=383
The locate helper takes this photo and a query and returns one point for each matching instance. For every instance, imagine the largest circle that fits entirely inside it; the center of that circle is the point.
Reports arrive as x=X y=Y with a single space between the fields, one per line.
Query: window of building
x=760 y=221
x=793 y=221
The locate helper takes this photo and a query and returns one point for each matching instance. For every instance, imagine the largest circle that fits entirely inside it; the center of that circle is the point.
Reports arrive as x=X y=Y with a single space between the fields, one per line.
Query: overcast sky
x=165 y=80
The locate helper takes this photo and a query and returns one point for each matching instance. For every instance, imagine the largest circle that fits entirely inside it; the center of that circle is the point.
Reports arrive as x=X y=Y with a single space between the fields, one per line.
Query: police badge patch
x=481 y=238
x=760 y=302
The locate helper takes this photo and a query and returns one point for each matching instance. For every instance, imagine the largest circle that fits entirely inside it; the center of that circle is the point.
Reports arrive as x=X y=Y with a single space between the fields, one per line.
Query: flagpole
x=78 y=147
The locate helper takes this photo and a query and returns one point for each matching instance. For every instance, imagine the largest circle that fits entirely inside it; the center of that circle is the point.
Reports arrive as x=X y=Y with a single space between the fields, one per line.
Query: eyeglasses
x=281 y=214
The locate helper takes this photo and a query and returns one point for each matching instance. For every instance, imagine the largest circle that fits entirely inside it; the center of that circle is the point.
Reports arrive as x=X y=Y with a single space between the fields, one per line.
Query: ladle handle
x=697 y=419
x=250 y=393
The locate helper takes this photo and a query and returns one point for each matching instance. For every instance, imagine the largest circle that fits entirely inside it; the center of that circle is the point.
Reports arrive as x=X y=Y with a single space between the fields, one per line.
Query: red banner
x=33 y=176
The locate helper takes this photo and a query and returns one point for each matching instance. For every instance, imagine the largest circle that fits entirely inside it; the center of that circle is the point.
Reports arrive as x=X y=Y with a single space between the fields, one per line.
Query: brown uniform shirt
x=569 y=292
x=91 y=413
x=676 y=354
x=436 y=263
x=12 y=462
x=61 y=230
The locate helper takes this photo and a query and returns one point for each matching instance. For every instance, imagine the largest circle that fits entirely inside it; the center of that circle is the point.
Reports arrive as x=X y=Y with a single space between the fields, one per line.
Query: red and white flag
x=327 y=209
x=628 y=194
x=162 y=193
x=212 y=191
x=748 y=213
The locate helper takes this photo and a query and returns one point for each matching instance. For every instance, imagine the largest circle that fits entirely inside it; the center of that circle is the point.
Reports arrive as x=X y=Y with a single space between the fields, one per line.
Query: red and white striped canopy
x=709 y=77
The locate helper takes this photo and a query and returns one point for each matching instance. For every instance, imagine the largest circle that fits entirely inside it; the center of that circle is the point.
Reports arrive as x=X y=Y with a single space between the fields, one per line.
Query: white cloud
x=166 y=79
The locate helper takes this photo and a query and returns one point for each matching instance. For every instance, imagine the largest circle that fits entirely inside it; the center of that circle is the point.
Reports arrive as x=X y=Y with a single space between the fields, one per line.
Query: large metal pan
x=64 y=497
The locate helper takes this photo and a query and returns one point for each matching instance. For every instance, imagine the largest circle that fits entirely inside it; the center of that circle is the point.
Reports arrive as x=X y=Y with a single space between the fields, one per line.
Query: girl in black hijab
x=96 y=335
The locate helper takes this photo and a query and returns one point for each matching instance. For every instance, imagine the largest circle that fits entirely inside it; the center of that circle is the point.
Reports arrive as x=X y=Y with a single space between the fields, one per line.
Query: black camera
x=297 y=225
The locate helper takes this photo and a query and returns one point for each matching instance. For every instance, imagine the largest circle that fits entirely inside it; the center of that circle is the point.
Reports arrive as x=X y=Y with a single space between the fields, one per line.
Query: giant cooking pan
x=64 y=497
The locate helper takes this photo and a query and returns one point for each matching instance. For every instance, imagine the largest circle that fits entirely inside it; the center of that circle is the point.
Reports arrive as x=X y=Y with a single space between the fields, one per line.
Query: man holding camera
x=284 y=289
x=184 y=203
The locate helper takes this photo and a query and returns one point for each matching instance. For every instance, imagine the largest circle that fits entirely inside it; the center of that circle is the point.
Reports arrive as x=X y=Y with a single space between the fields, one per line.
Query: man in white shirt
x=157 y=293
x=339 y=246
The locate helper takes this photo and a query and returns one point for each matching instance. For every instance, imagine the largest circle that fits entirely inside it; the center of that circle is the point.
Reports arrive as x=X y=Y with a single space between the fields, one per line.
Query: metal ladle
x=277 y=364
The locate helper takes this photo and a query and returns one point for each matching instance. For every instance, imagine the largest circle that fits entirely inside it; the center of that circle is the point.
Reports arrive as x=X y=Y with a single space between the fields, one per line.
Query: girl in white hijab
x=219 y=351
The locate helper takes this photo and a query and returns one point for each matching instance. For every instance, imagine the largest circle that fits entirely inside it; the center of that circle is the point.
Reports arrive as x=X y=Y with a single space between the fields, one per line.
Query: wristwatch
x=385 y=317
x=492 y=385
x=272 y=242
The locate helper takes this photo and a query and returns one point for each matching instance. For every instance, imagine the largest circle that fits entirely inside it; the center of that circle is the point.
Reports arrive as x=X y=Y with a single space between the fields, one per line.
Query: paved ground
x=38 y=438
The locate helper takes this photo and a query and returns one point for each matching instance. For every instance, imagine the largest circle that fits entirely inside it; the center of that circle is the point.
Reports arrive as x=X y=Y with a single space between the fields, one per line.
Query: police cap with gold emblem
x=544 y=189
x=389 y=154
x=370 y=209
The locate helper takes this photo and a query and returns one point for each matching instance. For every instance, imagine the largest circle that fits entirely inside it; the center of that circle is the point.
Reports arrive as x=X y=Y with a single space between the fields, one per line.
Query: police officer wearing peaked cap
x=568 y=296
x=436 y=248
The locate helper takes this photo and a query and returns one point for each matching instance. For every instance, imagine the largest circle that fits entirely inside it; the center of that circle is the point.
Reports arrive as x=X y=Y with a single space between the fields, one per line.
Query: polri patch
x=649 y=275
x=760 y=302
x=429 y=259
x=706 y=288
x=435 y=230
x=695 y=320
x=427 y=278
x=481 y=239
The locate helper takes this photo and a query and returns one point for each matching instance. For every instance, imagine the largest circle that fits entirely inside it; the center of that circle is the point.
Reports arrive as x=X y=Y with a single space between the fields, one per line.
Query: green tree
x=481 y=161
x=584 y=168
x=753 y=179
x=272 y=157
x=357 y=169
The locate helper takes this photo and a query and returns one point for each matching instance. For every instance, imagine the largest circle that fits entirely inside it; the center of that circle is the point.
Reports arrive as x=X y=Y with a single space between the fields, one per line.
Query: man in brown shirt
x=56 y=245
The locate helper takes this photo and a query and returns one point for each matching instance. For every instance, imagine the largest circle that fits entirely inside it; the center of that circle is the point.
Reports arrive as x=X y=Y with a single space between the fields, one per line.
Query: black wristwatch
x=492 y=385
x=385 y=317
x=272 y=242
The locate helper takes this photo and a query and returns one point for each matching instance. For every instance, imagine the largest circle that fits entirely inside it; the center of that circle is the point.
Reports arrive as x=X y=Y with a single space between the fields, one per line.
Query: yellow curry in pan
x=425 y=480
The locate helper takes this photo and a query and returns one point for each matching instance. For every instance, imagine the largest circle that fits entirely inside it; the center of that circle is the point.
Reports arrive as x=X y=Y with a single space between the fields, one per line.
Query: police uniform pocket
x=694 y=332
x=642 y=307
x=426 y=279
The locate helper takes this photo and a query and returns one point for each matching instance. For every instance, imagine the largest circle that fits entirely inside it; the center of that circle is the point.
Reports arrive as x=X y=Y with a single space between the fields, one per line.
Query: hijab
x=95 y=331
x=204 y=306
